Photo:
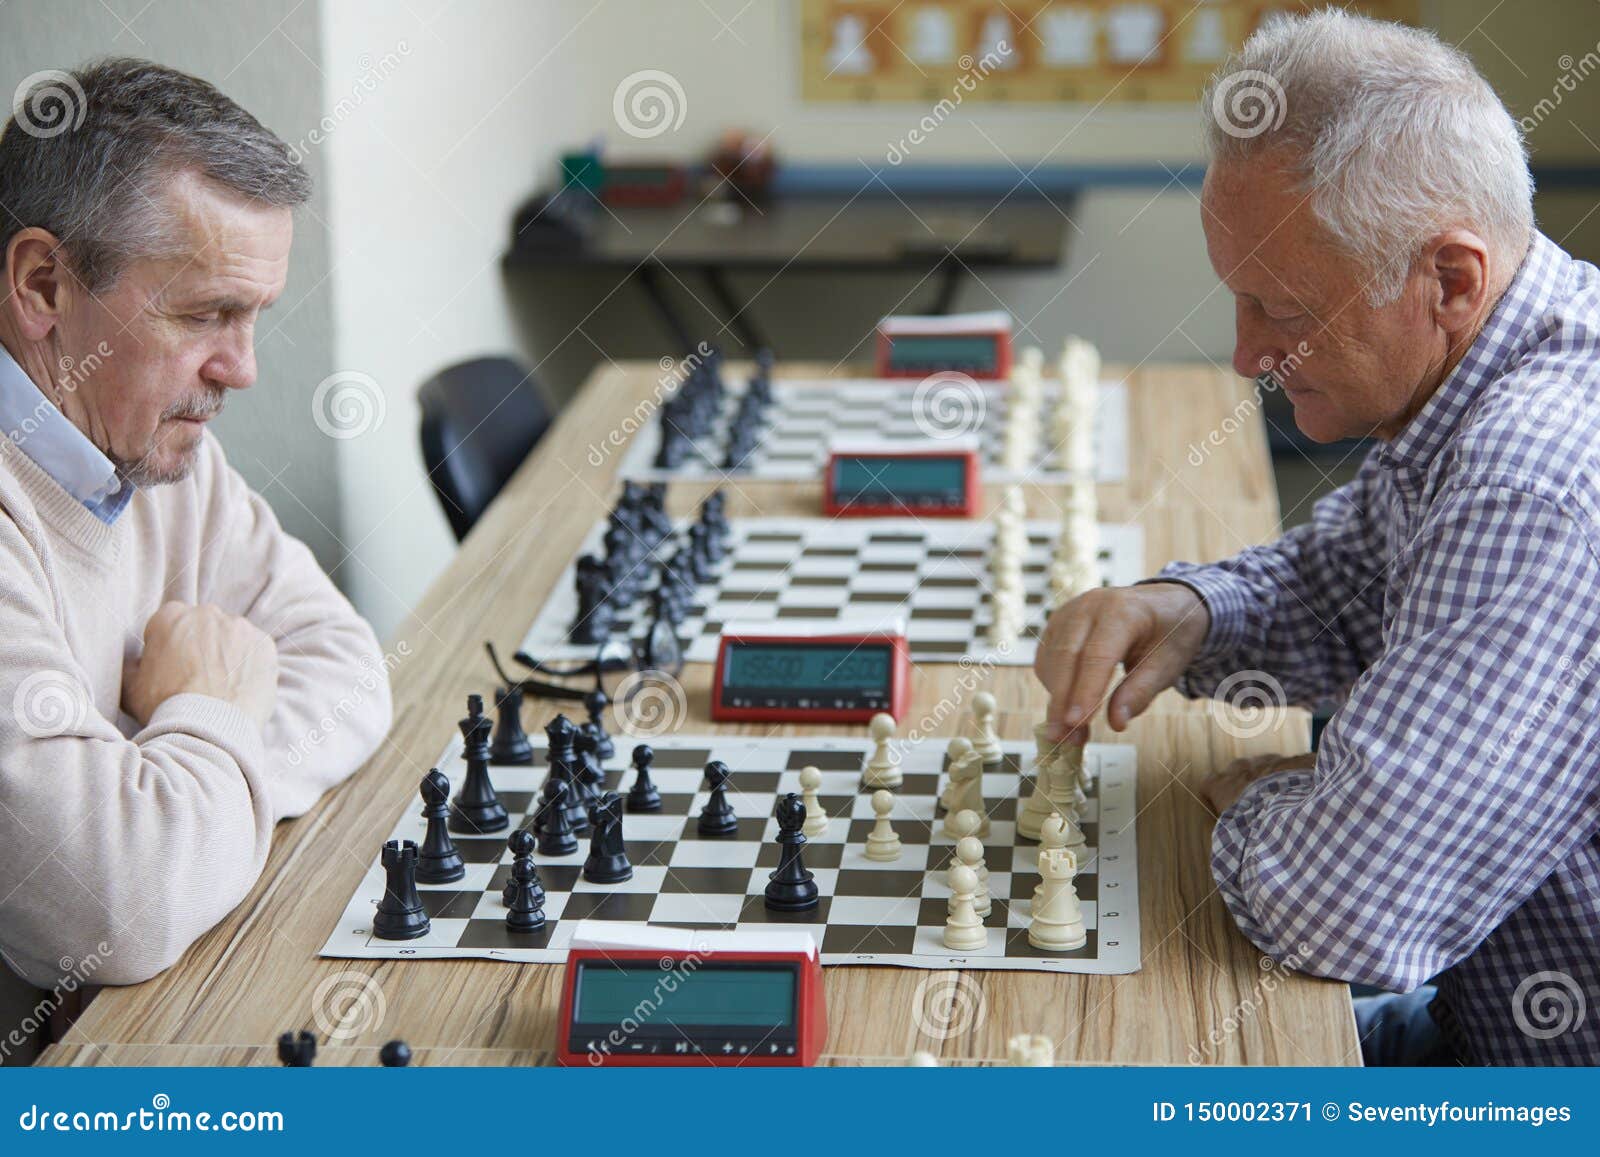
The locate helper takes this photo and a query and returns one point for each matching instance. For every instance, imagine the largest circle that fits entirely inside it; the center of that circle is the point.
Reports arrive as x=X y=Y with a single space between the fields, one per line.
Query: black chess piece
x=439 y=861
x=592 y=623
x=559 y=736
x=522 y=842
x=297 y=1050
x=717 y=818
x=395 y=1054
x=510 y=743
x=551 y=823
x=791 y=886
x=525 y=901
x=477 y=808
x=643 y=796
x=595 y=703
x=400 y=914
x=607 y=862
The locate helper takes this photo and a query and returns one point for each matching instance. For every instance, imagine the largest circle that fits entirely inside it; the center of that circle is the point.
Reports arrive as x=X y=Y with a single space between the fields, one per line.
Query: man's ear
x=33 y=285
x=1457 y=264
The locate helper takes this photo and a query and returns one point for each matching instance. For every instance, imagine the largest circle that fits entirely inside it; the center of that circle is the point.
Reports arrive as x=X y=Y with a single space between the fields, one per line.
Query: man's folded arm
x=1460 y=773
x=127 y=849
x=333 y=680
x=1294 y=608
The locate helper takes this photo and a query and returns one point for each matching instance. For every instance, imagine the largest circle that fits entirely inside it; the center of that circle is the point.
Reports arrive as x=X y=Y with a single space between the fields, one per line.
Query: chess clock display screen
x=973 y=353
x=711 y=996
x=794 y=671
x=922 y=481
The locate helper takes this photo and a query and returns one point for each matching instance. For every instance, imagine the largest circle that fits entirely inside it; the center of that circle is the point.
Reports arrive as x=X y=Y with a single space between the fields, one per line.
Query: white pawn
x=963 y=929
x=958 y=826
x=951 y=757
x=882 y=842
x=983 y=713
x=883 y=769
x=816 y=818
x=1030 y=1051
x=969 y=851
x=923 y=1059
x=1055 y=921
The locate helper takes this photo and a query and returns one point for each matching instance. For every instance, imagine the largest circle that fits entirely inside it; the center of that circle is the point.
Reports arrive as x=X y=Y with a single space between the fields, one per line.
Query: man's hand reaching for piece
x=1154 y=630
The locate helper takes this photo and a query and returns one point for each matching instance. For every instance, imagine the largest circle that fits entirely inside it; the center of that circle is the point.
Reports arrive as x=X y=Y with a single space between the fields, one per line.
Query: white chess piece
x=969 y=851
x=966 y=786
x=952 y=755
x=923 y=1059
x=1055 y=919
x=816 y=818
x=883 y=769
x=987 y=745
x=882 y=842
x=1039 y=803
x=958 y=826
x=1058 y=831
x=963 y=928
x=1030 y=1051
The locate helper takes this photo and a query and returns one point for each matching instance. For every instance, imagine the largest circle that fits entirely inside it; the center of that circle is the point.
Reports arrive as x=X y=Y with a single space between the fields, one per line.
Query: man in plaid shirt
x=1374 y=225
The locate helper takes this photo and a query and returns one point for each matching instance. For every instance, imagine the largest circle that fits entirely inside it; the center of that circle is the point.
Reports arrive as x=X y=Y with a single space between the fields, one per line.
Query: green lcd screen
x=819 y=667
x=866 y=478
x=759 y=996
x=943 y=351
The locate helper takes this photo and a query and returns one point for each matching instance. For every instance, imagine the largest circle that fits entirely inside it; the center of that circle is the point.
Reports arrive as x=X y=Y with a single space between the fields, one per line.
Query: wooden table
x=1202 y=994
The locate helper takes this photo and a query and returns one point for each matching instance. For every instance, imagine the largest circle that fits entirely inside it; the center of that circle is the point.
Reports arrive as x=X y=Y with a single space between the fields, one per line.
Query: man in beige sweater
x=178 y=673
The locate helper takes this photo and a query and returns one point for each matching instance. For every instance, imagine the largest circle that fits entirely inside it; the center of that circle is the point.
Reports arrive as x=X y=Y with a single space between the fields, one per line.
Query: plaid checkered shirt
x=1448 y=600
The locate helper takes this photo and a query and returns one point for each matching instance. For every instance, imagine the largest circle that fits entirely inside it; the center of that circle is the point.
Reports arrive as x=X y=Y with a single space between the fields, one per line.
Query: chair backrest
x=479 y=421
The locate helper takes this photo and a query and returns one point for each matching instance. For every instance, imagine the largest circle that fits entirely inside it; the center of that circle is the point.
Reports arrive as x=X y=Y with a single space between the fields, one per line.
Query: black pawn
x=396 y=1054
x=477 y=809
x=595 y=703
x=439 y=861
x=297 y=1050
x=510 y=743
x=400 y=914
x=555 y=833
x=608 y=857
x=643 y=796
x=717 y=818
x=791 y=887
x=559 y=742
x=525 y=894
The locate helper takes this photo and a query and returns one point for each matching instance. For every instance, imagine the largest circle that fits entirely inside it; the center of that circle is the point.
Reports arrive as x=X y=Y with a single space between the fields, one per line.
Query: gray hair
x=86 y=153
x=1395 y=135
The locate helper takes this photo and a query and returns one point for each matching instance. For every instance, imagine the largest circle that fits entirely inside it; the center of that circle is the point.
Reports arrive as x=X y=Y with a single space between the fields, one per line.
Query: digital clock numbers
x=783 y=673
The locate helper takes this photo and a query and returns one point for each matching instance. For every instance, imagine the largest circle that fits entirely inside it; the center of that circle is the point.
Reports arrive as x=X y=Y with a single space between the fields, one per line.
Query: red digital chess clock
x=944 y=481
x=772 y=672
x=643 y=995
x=975 y=344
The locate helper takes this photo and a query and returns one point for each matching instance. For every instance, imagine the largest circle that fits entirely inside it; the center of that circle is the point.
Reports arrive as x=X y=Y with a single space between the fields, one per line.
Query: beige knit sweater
x=127 y=843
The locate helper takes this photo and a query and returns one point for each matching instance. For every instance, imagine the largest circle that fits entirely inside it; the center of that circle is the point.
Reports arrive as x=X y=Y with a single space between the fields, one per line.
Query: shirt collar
x=41 y=431
x=1507 y=333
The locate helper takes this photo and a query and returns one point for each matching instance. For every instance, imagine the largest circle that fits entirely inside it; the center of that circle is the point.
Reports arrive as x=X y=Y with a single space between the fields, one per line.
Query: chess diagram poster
x=865 y=51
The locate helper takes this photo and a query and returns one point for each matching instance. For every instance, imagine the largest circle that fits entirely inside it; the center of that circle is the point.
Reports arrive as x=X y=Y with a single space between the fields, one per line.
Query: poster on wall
x=1049 y=51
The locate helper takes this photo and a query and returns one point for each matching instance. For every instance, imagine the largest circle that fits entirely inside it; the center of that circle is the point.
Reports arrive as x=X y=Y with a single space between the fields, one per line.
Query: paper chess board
x=870 y=912
x=934 y=574
x=806 y=417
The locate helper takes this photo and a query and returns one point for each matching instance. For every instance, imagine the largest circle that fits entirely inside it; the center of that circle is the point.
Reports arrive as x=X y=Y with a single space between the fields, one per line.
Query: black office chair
x=479 y=421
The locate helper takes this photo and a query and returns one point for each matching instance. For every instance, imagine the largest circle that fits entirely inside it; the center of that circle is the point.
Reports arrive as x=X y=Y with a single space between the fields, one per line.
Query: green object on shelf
x=583 y=171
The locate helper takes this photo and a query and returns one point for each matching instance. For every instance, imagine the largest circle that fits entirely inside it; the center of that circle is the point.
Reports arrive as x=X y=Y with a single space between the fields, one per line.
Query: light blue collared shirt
x=37 y=428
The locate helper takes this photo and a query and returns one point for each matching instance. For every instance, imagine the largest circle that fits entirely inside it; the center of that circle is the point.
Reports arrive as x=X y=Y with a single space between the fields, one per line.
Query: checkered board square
x=933 y=573
x=806 y=417
x=870 y=912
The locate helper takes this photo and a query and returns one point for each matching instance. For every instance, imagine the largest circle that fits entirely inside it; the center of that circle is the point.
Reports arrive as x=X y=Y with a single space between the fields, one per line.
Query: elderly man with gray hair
x=1369 y=207
x=167 y=645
